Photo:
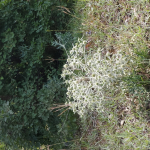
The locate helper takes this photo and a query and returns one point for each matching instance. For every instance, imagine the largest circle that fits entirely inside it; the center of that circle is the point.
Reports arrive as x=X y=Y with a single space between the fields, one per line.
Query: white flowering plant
x=95 y=78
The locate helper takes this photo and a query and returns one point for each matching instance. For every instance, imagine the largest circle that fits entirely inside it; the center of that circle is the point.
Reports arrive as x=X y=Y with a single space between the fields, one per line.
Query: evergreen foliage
x=29 y=84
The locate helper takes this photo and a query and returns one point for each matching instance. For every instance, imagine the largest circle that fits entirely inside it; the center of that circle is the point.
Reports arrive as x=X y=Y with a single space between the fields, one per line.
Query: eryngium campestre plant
x=94 y=78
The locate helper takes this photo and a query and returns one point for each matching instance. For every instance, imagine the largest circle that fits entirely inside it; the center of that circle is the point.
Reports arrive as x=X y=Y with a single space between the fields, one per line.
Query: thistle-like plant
x=95 y=78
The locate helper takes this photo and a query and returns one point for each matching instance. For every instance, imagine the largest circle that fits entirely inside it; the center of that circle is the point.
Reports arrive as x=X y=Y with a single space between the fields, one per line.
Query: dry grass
x=115 y=25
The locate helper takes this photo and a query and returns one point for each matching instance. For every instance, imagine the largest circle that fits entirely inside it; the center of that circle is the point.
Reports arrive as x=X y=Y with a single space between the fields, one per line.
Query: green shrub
x=29 y=84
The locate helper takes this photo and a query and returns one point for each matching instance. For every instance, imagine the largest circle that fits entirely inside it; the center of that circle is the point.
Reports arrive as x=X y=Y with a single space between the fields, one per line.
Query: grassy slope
x=119 y=25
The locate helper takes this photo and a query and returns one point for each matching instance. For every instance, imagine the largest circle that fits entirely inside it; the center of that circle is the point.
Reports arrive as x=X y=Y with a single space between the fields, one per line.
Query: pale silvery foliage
x=63 y=40
x=94 y=78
